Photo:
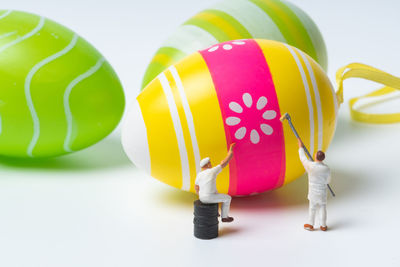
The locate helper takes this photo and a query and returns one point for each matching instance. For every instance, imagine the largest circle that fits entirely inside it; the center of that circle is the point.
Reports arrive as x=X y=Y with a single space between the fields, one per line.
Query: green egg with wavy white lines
x=57 y=92
x=229 y=20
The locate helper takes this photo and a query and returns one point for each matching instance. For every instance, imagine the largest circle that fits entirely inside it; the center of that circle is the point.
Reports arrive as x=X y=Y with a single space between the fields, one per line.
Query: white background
x=94 y=208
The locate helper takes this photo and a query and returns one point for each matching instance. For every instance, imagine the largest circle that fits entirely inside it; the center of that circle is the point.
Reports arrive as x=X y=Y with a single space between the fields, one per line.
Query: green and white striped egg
x=57 y=92
x=240 y=19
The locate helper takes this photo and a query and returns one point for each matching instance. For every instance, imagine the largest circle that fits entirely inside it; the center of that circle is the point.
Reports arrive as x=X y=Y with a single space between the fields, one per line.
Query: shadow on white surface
x=335 y=225
x=294 y=194
x=175 y=197
x=348 y=129
x=228 y=231
x=106 y=154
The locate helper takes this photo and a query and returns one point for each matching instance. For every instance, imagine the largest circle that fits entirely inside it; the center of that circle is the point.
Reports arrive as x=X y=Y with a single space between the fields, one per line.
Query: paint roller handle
x=330 y=189
x=301 y=145
x=289 y=119
x=305 y=149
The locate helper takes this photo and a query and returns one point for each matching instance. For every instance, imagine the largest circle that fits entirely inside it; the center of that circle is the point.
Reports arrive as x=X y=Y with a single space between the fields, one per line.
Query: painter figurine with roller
x=318 y=179
x=319 y=176
x=206 y=184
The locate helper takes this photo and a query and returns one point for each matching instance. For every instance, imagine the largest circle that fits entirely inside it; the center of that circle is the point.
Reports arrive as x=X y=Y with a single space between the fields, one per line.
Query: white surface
x=94 y=208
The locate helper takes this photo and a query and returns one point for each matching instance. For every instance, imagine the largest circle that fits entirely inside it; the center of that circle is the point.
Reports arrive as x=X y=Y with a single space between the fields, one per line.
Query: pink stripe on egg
x=250 y=111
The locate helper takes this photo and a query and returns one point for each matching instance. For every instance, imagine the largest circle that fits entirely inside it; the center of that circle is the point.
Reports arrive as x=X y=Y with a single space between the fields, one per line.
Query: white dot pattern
x=235 y=121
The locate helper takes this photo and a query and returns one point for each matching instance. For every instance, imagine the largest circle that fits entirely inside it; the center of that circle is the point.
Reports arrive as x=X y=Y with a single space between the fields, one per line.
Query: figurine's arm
x=196 y=185
x=303 y=158
x=329 y=177
x=228 y=158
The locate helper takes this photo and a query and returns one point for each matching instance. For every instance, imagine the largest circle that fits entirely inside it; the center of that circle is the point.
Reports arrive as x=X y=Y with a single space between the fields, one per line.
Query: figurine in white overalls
x=319 y=176
x=206 y=184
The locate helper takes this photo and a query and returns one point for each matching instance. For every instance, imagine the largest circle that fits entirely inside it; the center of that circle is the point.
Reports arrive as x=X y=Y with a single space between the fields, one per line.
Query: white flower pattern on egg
x=245 y=126
x=226 y=46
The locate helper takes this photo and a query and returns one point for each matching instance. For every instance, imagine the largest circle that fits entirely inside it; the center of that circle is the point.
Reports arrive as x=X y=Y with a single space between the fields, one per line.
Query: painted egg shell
x=57 y=92
x=241 y=19
x=232 y=92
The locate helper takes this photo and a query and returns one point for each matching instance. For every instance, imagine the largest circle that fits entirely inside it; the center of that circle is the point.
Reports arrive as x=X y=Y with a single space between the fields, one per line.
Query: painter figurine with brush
x=206 y=184
x=319 y=176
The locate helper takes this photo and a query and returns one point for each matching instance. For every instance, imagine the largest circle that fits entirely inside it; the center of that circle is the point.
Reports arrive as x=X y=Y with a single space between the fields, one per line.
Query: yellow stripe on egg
x=216 y=26
x=207 y=117
x=308 y=103
x=190 y=122
x=330 y=106
x=163 y=144
x=321 y=92
x=162 y=59
x=185 y=129
x=289 y=99
x=316 y=100
x=311 y=91
x=293 y=25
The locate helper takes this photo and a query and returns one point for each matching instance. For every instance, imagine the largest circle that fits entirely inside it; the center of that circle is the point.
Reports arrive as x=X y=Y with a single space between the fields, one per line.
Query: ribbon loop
x=358 y=70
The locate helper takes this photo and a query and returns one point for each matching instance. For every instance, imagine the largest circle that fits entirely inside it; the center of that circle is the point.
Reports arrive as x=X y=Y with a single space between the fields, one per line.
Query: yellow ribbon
x=358 y=70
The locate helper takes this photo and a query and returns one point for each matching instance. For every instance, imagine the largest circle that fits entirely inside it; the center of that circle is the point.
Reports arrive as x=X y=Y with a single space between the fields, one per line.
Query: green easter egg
x=57 y=92
x=229 y=20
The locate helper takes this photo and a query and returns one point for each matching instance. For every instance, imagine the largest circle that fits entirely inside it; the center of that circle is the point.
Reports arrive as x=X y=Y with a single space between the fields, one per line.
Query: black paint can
x=205 y=220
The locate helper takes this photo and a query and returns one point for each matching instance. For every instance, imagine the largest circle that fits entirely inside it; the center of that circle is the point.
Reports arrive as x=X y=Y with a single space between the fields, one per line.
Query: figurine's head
x=319 y=156
x=205 y=163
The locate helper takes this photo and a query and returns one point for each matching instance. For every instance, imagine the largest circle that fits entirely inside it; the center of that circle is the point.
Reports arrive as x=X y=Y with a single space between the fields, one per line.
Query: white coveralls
x=319 y=176
x=207 y=181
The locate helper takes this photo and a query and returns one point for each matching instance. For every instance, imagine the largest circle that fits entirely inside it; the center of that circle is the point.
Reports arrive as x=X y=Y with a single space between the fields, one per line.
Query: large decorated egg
x=233 y=92
x=57 y=92
x=240 y=19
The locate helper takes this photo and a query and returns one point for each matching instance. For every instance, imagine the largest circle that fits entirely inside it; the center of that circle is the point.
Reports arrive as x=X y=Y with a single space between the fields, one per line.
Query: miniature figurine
x=319 y=176
x=206 y=184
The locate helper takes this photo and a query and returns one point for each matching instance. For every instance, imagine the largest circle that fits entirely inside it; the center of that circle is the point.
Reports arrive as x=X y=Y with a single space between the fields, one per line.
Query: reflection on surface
x=106 y=154
x=343 y=183
x=228 y=230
